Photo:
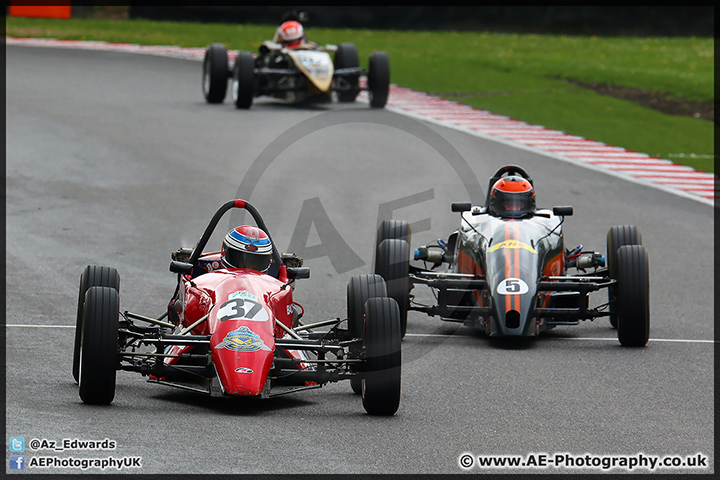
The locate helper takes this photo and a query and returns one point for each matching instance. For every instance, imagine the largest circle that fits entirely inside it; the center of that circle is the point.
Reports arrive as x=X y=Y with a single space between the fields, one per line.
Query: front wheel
x=92 y=276
x=99 y=346
x=346 y=56
x=633 y=296
x=243 y=80
x=378 y=79
x=381 y=337
x=359 y=290
x=215 y=73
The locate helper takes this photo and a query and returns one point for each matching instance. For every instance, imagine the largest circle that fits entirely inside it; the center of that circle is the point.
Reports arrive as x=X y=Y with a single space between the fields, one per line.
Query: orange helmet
x=513 y=197
x=291 y=34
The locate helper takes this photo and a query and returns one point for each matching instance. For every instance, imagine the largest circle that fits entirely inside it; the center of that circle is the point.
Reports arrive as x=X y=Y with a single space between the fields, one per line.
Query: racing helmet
x=291 y=34
x=246 y=247
x=512 y=196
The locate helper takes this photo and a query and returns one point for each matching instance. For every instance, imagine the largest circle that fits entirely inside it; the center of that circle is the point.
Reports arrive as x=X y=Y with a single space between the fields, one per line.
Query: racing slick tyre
x=633 y=300
x=381 y=337
x=243 y=80
x=346 y=56
x=378 y=79
x=99 y=346
x=399 y=229
x=393 y=264
x=215 y=73
x=92 y=276
x=359 y=290
x=617 y=237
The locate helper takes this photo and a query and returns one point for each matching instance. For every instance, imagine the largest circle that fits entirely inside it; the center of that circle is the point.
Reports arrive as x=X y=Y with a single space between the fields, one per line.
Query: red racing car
x=232 y=328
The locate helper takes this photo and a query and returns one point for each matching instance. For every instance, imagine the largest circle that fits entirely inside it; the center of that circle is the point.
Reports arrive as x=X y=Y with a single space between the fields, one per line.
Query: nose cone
x=513 y=303
x=242 y=355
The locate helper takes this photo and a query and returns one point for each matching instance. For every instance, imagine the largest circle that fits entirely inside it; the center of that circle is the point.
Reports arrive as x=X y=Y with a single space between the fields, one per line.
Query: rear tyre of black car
x=393 y=264
x=243 y=80
x=618 y=236
x=378 y=79
x=346 y=56
x=391 y=229
x=359 y=290
x=633 y=299
x=215 y=73
x=99 y=346
x=381 y=336
x=92 y=276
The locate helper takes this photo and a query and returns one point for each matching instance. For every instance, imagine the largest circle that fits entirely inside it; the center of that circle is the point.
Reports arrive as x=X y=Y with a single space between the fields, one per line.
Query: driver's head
x=247 y=247
x=291 y=34
x=512 y=196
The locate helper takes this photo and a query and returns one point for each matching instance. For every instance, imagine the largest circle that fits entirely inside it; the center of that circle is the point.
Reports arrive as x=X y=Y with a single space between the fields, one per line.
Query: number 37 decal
x=242 y=309
x=512 y=286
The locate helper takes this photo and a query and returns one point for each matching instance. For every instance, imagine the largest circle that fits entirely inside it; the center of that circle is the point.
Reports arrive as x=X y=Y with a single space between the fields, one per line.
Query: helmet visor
x=254 y=261
x=512 y=204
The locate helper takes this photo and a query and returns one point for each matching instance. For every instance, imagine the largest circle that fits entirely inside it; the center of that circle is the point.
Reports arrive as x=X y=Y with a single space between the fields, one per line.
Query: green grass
x=521 y=76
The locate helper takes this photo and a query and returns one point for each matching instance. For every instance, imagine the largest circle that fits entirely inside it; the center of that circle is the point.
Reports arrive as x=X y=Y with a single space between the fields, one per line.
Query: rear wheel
x=378 y=79
x=381 y=337
x=392 y=229
x=243 y=80
x=92 y=276
x=346 y=56
x=617 y=237
x=359 y=290
x=393 y=264
x=633 y=300
x=99 y=346
x=215 y=73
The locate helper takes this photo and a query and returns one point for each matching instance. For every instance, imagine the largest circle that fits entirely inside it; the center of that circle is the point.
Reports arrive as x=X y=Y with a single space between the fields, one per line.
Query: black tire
x=99 y=346
x=346 y=56
x=243 y=80
x=378 y=79
x=391 y=229
x=381 y=337
x=617 y=237
x=92 y=276
x=633 y=302
x=359 y=290
x=215 y=73
x=393 y=264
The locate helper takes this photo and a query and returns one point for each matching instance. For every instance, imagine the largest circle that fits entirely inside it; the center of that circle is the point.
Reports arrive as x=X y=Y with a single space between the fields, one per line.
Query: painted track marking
x=436 y=335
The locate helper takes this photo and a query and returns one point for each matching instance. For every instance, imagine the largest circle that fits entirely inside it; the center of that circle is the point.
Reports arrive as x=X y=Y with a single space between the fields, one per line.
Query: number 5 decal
x=512 y=286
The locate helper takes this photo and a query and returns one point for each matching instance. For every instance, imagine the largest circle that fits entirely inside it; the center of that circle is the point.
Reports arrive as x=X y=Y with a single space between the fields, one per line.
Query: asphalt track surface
x=115 y=159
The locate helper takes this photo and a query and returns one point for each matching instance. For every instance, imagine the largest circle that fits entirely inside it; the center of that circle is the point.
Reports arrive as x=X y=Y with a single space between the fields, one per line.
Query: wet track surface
x=115 y=159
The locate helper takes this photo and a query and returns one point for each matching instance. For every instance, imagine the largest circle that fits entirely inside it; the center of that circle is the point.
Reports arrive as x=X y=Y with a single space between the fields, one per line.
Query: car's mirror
x=298 y=272
x=565 y=211
x=180 y=267
x=460 y=206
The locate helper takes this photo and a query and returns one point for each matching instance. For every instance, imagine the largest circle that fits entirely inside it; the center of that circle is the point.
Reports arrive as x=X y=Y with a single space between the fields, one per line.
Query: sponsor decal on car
x=242 y=340
x=244 y=370
x=512 y=244
x=242 y=294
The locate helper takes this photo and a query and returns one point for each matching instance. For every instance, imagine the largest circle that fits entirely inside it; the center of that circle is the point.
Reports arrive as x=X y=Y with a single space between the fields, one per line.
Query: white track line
x=656 y=172
x=435 y=335
x=589 y=339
